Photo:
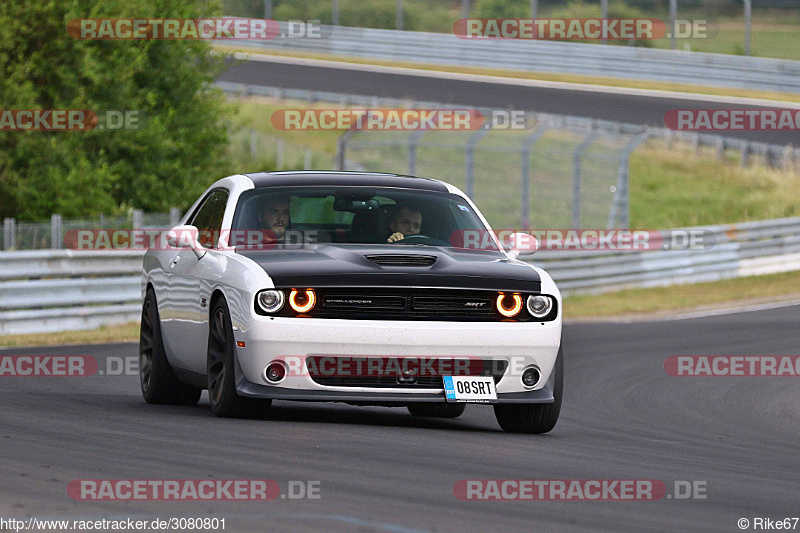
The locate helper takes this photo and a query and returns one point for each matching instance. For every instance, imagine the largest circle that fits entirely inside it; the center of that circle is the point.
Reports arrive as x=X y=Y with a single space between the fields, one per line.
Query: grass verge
x=665 y=301
x=630 y=303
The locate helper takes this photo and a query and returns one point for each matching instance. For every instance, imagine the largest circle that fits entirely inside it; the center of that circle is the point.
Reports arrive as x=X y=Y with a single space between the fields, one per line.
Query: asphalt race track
x=382 y=470
x=634 y=109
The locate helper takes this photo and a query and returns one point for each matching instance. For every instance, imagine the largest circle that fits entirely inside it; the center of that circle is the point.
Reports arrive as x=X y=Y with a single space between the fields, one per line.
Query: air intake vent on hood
x=402 y=260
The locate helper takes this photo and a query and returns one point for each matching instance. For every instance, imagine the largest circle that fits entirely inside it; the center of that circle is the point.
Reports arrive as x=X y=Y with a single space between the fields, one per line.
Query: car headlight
x=302 y=301
x=540 y=306
x=270 y=301
x=509 y=305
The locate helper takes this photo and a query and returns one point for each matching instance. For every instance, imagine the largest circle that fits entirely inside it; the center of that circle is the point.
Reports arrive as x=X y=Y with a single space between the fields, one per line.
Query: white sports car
x=364 y=288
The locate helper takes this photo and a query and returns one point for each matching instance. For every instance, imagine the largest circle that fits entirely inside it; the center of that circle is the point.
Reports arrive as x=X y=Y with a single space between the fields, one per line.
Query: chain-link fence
x=556 y=175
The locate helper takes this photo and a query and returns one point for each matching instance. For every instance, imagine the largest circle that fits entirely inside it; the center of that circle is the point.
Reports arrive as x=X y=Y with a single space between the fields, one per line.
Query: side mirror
x=186 y=237
x=522 y=244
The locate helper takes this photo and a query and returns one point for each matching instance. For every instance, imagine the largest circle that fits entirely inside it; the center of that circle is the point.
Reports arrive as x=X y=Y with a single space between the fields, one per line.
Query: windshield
x=351 y=215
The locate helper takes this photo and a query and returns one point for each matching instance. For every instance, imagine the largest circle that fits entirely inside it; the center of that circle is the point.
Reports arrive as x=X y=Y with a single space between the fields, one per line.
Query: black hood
x=324 y=265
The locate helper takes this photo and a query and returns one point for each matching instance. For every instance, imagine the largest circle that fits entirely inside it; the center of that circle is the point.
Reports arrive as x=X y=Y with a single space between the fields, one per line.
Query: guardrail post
x=469 y=162
x=527 y=146
x=138 y=219
x=576 y=177
x=9 y=234
x=174 y=216
x=56 y=227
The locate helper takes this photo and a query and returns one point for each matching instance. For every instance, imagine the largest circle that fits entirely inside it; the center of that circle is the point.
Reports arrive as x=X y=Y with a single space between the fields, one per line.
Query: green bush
x=177 y=152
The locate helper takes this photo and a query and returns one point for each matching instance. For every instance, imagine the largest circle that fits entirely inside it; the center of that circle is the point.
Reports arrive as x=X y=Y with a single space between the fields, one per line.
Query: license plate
x=471 y=389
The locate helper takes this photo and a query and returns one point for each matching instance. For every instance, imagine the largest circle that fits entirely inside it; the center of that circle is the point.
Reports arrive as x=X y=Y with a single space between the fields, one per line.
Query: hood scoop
x=403 y=260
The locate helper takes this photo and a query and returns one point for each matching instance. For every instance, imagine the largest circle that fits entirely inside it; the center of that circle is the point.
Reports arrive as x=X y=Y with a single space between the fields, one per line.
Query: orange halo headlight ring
x=307 y=300
x=503 y=309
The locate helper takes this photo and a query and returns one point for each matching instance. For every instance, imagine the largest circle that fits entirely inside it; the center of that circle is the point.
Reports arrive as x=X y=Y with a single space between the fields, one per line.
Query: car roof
x=317 y=177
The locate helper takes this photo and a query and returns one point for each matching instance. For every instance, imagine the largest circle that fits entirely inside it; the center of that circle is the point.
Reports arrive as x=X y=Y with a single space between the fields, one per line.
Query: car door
x=186 y=330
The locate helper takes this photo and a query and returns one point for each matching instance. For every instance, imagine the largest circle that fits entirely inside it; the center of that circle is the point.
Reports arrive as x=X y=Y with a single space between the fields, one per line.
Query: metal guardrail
x=695 y=68
x=60 y=290
x=44 y=291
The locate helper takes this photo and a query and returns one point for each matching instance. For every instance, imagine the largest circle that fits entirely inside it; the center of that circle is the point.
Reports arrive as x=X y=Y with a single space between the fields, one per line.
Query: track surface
x=382 y=470
x=605 y=106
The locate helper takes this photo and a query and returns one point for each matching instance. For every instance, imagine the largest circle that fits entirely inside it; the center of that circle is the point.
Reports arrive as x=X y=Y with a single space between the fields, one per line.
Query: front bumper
x=267 y=339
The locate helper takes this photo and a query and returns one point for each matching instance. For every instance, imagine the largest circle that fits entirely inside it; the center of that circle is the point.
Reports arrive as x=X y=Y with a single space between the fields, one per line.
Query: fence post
x=527 y=145
x=306 y=158
x=398 y=14
x=341 y=149
x=253 y=144
x=470 y=160
x=673 y=14
x=138 y=219
x=335 y=13
x=413 y=141
x=747 y=17
x=9 y=234
x=174 y=216
x=604 y=15
x=55 y=232
x=576 y=177
x=620 y=206
x=279 y=153
x=745 y=153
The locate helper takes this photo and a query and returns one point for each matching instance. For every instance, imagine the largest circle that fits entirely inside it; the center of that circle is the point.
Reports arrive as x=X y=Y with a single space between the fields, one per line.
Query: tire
x=437 y=410
x=158 y=382
x=534 y=417
x=225 y=402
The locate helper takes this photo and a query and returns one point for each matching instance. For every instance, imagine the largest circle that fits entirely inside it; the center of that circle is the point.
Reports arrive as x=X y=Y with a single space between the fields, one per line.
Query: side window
x=208 y=218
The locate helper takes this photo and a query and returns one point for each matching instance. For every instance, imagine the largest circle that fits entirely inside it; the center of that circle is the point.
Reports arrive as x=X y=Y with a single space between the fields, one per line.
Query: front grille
x=406 y=304
x=402 y=260
x=351 y=373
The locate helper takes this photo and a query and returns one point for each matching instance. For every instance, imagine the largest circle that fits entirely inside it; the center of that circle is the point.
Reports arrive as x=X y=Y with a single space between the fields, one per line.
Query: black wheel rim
x=146 y=345
x=217 y=350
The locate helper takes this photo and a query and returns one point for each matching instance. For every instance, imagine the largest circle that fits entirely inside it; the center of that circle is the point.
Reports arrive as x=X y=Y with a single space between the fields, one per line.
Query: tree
x=177 y=151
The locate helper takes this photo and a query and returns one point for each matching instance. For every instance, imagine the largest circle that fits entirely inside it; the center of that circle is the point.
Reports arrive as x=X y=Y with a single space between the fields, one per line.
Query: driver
x=406 y=221
x=275 y=217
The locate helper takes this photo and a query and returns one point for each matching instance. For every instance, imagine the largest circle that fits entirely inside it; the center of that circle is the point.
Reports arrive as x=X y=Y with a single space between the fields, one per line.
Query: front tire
x=158 y=381
x=225 y=402
x=437 y=410
x=534 y=417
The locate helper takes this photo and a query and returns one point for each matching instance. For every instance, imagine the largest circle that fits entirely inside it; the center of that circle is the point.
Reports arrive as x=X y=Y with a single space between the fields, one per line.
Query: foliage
x=179 y=148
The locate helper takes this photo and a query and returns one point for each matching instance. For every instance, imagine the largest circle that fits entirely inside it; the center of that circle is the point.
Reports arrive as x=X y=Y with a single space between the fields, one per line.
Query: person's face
x=276 y=217
x=407 y=222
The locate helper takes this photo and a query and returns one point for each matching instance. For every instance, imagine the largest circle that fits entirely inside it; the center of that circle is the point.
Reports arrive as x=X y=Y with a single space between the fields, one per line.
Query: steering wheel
x=422 y=239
